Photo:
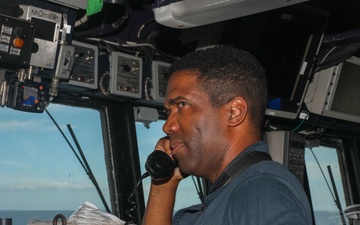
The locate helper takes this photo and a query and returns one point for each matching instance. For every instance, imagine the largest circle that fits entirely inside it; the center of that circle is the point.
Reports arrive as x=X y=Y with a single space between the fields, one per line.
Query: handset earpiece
x=160 y=165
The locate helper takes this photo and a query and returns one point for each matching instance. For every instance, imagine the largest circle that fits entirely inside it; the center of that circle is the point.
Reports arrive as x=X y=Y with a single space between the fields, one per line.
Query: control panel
x=125 y=75
x=288 y=149
x=16 y=40
x=160 y=78
x=85 y=70
x=29 y=96
x=47 y=31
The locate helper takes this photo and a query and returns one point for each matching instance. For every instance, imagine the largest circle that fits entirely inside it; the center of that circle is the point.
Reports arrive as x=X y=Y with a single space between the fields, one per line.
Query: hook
x=57 y=217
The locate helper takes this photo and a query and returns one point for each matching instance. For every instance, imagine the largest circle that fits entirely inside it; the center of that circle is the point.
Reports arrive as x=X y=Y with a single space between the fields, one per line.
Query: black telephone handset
x=160 y=165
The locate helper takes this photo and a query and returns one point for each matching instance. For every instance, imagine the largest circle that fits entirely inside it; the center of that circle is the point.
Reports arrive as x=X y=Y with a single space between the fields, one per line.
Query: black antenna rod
x=66 y=139
x=90 y=174
x=86 y=167
x=337 y=201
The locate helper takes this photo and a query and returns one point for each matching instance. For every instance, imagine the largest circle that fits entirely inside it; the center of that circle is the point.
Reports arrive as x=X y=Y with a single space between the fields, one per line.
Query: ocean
x=23 y=217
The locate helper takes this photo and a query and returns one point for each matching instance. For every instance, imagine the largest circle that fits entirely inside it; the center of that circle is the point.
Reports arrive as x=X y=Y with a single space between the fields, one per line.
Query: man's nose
x=171 y=125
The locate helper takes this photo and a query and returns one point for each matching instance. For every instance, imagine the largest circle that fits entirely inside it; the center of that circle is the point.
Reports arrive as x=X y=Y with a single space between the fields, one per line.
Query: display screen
x=347 y=94
x=281 y=65
x=30 y=96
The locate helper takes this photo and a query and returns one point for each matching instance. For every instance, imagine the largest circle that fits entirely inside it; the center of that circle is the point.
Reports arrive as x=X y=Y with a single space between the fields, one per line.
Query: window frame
x=338 y=145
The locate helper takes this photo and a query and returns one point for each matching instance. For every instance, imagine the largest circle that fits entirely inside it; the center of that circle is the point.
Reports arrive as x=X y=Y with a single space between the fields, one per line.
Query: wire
x=198 y=190
x=101 y=84
x=105 y=46
x=138 y=36
x=147 y=88
x=3 y=93
x=129 y=45
x=133 y=202
x=82 y=20
x=327 y=54
x=104 y=30
x=314 y=123
x=298 y=126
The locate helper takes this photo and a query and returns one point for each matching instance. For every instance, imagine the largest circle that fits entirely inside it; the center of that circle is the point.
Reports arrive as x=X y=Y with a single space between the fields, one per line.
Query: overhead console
x=286 y=40
x=35 y=52
x=40 y=58
x=193 y=13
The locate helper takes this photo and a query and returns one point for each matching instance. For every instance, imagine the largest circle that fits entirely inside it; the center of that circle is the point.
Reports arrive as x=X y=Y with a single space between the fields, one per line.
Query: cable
x=199 y=191
x=3 y=93
x=101 y=83
x=130 y=45
x=138 y=36
x=327 y=54
x=133 y=202
x=296 y=128
x=103 y=45
x=82 y=20
x=108 y=28
x=314 y=123
x=147 y=88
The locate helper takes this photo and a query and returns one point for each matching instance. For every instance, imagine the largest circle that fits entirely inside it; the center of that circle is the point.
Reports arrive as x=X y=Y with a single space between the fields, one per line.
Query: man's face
x=196 y=129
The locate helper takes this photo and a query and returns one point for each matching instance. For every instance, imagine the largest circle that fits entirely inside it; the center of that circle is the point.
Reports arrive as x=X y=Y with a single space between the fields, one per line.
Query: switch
x=18 y=42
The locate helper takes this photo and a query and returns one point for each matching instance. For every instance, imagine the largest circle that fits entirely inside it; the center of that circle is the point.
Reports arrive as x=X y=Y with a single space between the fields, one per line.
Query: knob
x=20 y=32
x=126 y=67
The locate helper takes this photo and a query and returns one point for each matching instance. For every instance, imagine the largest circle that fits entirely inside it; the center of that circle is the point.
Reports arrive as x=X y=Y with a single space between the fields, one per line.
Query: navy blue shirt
x=265 y=193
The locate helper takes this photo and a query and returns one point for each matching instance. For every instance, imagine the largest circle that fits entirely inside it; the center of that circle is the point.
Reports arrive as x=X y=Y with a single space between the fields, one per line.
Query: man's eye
x=181 y=104
x=167 y=111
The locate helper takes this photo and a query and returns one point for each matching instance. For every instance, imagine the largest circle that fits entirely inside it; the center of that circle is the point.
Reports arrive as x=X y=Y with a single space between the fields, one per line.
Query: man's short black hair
x=227 y=72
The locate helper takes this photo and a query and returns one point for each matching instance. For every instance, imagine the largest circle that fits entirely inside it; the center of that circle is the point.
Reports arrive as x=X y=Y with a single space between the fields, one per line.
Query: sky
x=38 y=170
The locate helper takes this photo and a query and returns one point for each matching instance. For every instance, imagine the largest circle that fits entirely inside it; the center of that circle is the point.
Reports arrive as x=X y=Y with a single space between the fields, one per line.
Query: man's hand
x=160 y=205
x=164 y=145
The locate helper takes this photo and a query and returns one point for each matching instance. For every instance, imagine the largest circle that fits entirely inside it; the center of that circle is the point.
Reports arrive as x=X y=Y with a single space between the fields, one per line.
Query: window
x=40 y=175
x=147 y=138
x=318 y=160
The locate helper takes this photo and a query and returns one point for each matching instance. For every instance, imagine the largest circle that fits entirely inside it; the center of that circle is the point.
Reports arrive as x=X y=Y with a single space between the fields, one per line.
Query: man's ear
x=237 y=111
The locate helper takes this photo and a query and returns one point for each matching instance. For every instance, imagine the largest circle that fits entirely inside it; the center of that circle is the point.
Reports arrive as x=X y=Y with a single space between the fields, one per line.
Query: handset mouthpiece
x=160 y=165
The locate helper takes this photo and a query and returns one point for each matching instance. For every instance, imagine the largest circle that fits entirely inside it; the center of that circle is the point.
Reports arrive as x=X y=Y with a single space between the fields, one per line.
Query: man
x=216 y=100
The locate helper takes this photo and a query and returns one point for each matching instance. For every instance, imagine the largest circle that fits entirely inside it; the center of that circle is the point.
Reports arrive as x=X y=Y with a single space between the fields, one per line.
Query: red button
x=18 y=42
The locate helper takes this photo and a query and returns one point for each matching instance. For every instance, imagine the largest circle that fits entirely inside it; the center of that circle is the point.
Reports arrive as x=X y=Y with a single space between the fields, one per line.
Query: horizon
x=31 y=145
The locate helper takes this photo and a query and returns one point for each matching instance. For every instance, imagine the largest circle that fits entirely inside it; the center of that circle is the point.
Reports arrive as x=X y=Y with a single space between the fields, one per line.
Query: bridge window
x=40 y=175
x=322 y=163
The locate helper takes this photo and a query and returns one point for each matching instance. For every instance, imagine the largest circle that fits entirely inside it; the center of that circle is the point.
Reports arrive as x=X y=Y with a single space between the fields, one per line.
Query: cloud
x=16 y=164
x=18 y=124
x=53 y=185
x=64 y=128
x=60 y=109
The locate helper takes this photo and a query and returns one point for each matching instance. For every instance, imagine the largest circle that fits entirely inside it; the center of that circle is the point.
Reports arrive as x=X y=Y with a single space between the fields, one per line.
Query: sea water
x=23 y=217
